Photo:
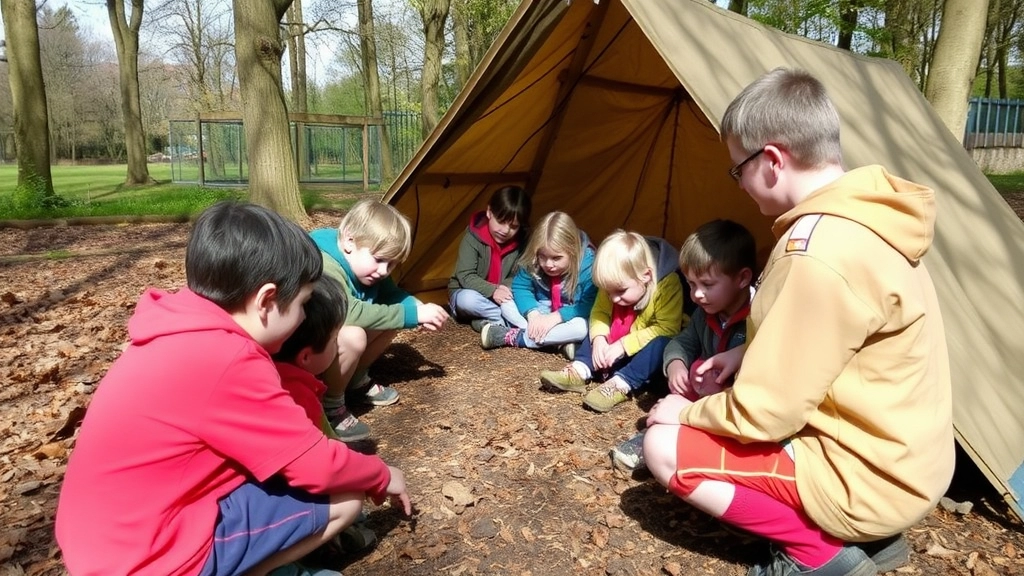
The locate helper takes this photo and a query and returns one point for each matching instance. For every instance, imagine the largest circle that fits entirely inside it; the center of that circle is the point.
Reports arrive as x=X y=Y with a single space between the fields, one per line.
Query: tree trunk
x=738 y=6
x=463 y=56
x=273 y=181
x=28 y=95
x=849 y=11
x=297 y=41
x=371 y=80
x=126 y=40
x=434 y=13
x=954 y=61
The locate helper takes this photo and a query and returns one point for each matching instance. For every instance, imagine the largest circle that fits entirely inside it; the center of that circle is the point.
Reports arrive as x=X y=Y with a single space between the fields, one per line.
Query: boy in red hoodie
x=193 y=459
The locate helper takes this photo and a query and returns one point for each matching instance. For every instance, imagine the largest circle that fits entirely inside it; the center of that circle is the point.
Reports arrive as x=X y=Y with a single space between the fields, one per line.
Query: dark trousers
x=636 y=370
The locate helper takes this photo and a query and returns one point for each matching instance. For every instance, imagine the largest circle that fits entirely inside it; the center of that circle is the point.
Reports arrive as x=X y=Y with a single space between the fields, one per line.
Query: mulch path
x=505 y=478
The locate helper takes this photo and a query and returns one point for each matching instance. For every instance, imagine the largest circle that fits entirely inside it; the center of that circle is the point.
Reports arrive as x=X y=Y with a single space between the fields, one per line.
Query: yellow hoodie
x=847 y=358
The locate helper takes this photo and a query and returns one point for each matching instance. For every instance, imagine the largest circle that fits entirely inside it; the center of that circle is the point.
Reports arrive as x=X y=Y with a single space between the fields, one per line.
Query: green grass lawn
x=1008 y=183
x=99 y=191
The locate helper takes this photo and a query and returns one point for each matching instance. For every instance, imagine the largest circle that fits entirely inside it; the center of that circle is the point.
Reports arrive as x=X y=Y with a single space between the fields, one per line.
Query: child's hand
x=679 y=378
x=538 y=325
x=726 y=363
x=501 y=294
x=397 y=491
x=599 y=346
x=609 y=355
x=431 y=316
x=666 y=410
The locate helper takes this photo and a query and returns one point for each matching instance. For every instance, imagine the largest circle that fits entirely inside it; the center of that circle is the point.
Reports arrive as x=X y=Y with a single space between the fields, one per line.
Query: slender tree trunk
x=849 y=12
x=955 y=60
x=463 y=56
x=738 y=6
x=297 y=45
x=273 y=181
x=28 y=95
x=434 y=13
x=126 y=40
x=371 y=78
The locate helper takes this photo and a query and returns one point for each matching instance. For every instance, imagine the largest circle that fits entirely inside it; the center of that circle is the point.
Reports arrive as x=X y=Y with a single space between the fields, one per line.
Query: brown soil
x=506 y=479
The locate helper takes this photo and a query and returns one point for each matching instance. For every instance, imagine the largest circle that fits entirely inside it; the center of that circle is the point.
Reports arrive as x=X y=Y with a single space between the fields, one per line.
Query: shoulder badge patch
x=800 y=237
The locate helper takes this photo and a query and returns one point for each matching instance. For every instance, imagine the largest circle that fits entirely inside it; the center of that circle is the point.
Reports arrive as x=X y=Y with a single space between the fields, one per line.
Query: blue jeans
x=636 y=370
x=572 y=330
x=469 y=304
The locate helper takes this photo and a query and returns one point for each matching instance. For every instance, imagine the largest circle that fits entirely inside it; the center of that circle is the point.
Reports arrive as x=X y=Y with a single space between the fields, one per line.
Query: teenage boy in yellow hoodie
x=838 y=429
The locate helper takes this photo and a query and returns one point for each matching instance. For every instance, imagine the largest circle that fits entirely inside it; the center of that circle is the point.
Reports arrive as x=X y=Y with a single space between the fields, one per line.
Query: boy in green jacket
x=361 y=254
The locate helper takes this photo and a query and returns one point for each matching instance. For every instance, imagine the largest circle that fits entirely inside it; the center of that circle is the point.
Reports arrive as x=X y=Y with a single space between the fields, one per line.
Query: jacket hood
x=160 y=313
x=899 y=211
x=477 y=224
x=666 y=257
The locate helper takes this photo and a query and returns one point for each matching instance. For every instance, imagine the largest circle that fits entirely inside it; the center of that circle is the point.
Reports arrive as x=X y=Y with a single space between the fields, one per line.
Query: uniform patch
x=800 y=237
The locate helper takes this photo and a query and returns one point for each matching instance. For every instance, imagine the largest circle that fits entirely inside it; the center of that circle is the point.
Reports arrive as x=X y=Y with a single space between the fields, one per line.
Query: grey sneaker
x=376 y=395
x=346 y=426
x=888 y=554
x=629 y=454
x=477 y=324
x=851 y=561
x=493 y=336
x=356 y=538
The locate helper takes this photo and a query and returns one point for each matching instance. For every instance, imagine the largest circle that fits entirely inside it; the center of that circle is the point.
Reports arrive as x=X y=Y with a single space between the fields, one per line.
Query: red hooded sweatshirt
x=192 y=408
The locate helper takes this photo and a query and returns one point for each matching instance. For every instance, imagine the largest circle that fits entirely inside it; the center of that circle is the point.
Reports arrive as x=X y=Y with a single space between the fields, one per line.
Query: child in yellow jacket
x=639 y=307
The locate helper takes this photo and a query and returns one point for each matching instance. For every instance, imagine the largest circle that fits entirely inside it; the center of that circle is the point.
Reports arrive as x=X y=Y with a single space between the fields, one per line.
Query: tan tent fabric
x=609 y=112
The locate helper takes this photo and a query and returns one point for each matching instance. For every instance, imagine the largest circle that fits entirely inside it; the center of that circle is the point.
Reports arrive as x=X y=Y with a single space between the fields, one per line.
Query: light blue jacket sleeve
x=523 y=292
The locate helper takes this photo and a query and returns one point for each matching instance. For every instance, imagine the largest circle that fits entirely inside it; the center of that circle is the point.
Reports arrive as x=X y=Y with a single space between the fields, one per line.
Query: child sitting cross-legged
x=718 y=262
x=639 y=307
x=552 y=292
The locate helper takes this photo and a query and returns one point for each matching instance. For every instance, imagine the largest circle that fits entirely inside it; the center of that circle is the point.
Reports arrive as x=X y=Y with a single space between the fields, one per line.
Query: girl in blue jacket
x=552 y=293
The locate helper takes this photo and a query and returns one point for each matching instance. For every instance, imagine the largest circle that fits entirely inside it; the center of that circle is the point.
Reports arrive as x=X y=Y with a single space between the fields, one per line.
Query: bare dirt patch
x=506 y=479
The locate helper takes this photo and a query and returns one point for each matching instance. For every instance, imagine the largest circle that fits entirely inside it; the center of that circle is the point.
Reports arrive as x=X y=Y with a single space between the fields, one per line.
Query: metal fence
x=994 y=123
x=211 y=150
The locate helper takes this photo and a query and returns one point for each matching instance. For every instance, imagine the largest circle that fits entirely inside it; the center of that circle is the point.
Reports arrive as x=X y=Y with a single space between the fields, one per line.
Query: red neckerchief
x=622 y=321
x=478 y=223
x=556 y=292
x=725 y=330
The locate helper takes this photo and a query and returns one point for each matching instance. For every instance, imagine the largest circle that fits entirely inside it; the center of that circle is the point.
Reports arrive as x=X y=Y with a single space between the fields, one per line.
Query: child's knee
x=352 y=340
x=660 y=451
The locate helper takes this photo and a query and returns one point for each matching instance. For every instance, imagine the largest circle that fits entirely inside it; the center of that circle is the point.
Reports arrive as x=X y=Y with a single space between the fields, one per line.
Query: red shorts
x=762 y=466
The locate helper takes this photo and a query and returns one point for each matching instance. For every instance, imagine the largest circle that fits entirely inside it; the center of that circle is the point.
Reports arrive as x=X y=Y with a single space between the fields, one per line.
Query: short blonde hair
x=624 y=256
x=379 y=227
x=789 y=108
x=558 y=232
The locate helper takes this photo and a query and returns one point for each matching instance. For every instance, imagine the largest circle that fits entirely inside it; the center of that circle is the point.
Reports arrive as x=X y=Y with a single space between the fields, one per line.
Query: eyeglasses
x=737 y=170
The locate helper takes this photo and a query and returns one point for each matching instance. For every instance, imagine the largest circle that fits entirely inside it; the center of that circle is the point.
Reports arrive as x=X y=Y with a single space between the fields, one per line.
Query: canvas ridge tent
x=610 y=110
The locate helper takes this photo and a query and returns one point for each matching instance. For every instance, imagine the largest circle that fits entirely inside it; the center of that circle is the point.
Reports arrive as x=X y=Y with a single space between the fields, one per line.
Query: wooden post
x=366 y=155
x=199 y=146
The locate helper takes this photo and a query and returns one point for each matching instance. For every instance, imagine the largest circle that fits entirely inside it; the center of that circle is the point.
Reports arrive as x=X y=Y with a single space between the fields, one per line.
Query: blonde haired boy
x=837 y=433
x=361 y=253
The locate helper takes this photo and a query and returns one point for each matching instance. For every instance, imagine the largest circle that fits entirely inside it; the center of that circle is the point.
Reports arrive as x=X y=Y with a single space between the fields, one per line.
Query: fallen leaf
x=936 y=549
x=459 y=494
x=68 y=428
x=527 y=534
x=1010 y=550
x=672 y=569
x=51 y=450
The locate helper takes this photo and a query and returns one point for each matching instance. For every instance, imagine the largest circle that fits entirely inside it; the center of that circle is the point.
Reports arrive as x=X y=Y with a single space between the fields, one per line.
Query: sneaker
x=567 y=379
x=346 y=426
x=376 y=394
x=296 y=569
x=477 y=324
x=494 y=336
x=568 y=351
x=356 y=538
x=604 y=397
x=851 y=561
x=888 y=554
x=629 y=454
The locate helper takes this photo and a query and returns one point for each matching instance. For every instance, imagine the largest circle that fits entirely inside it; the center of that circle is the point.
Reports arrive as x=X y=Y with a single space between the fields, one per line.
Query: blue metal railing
x=994 y=123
